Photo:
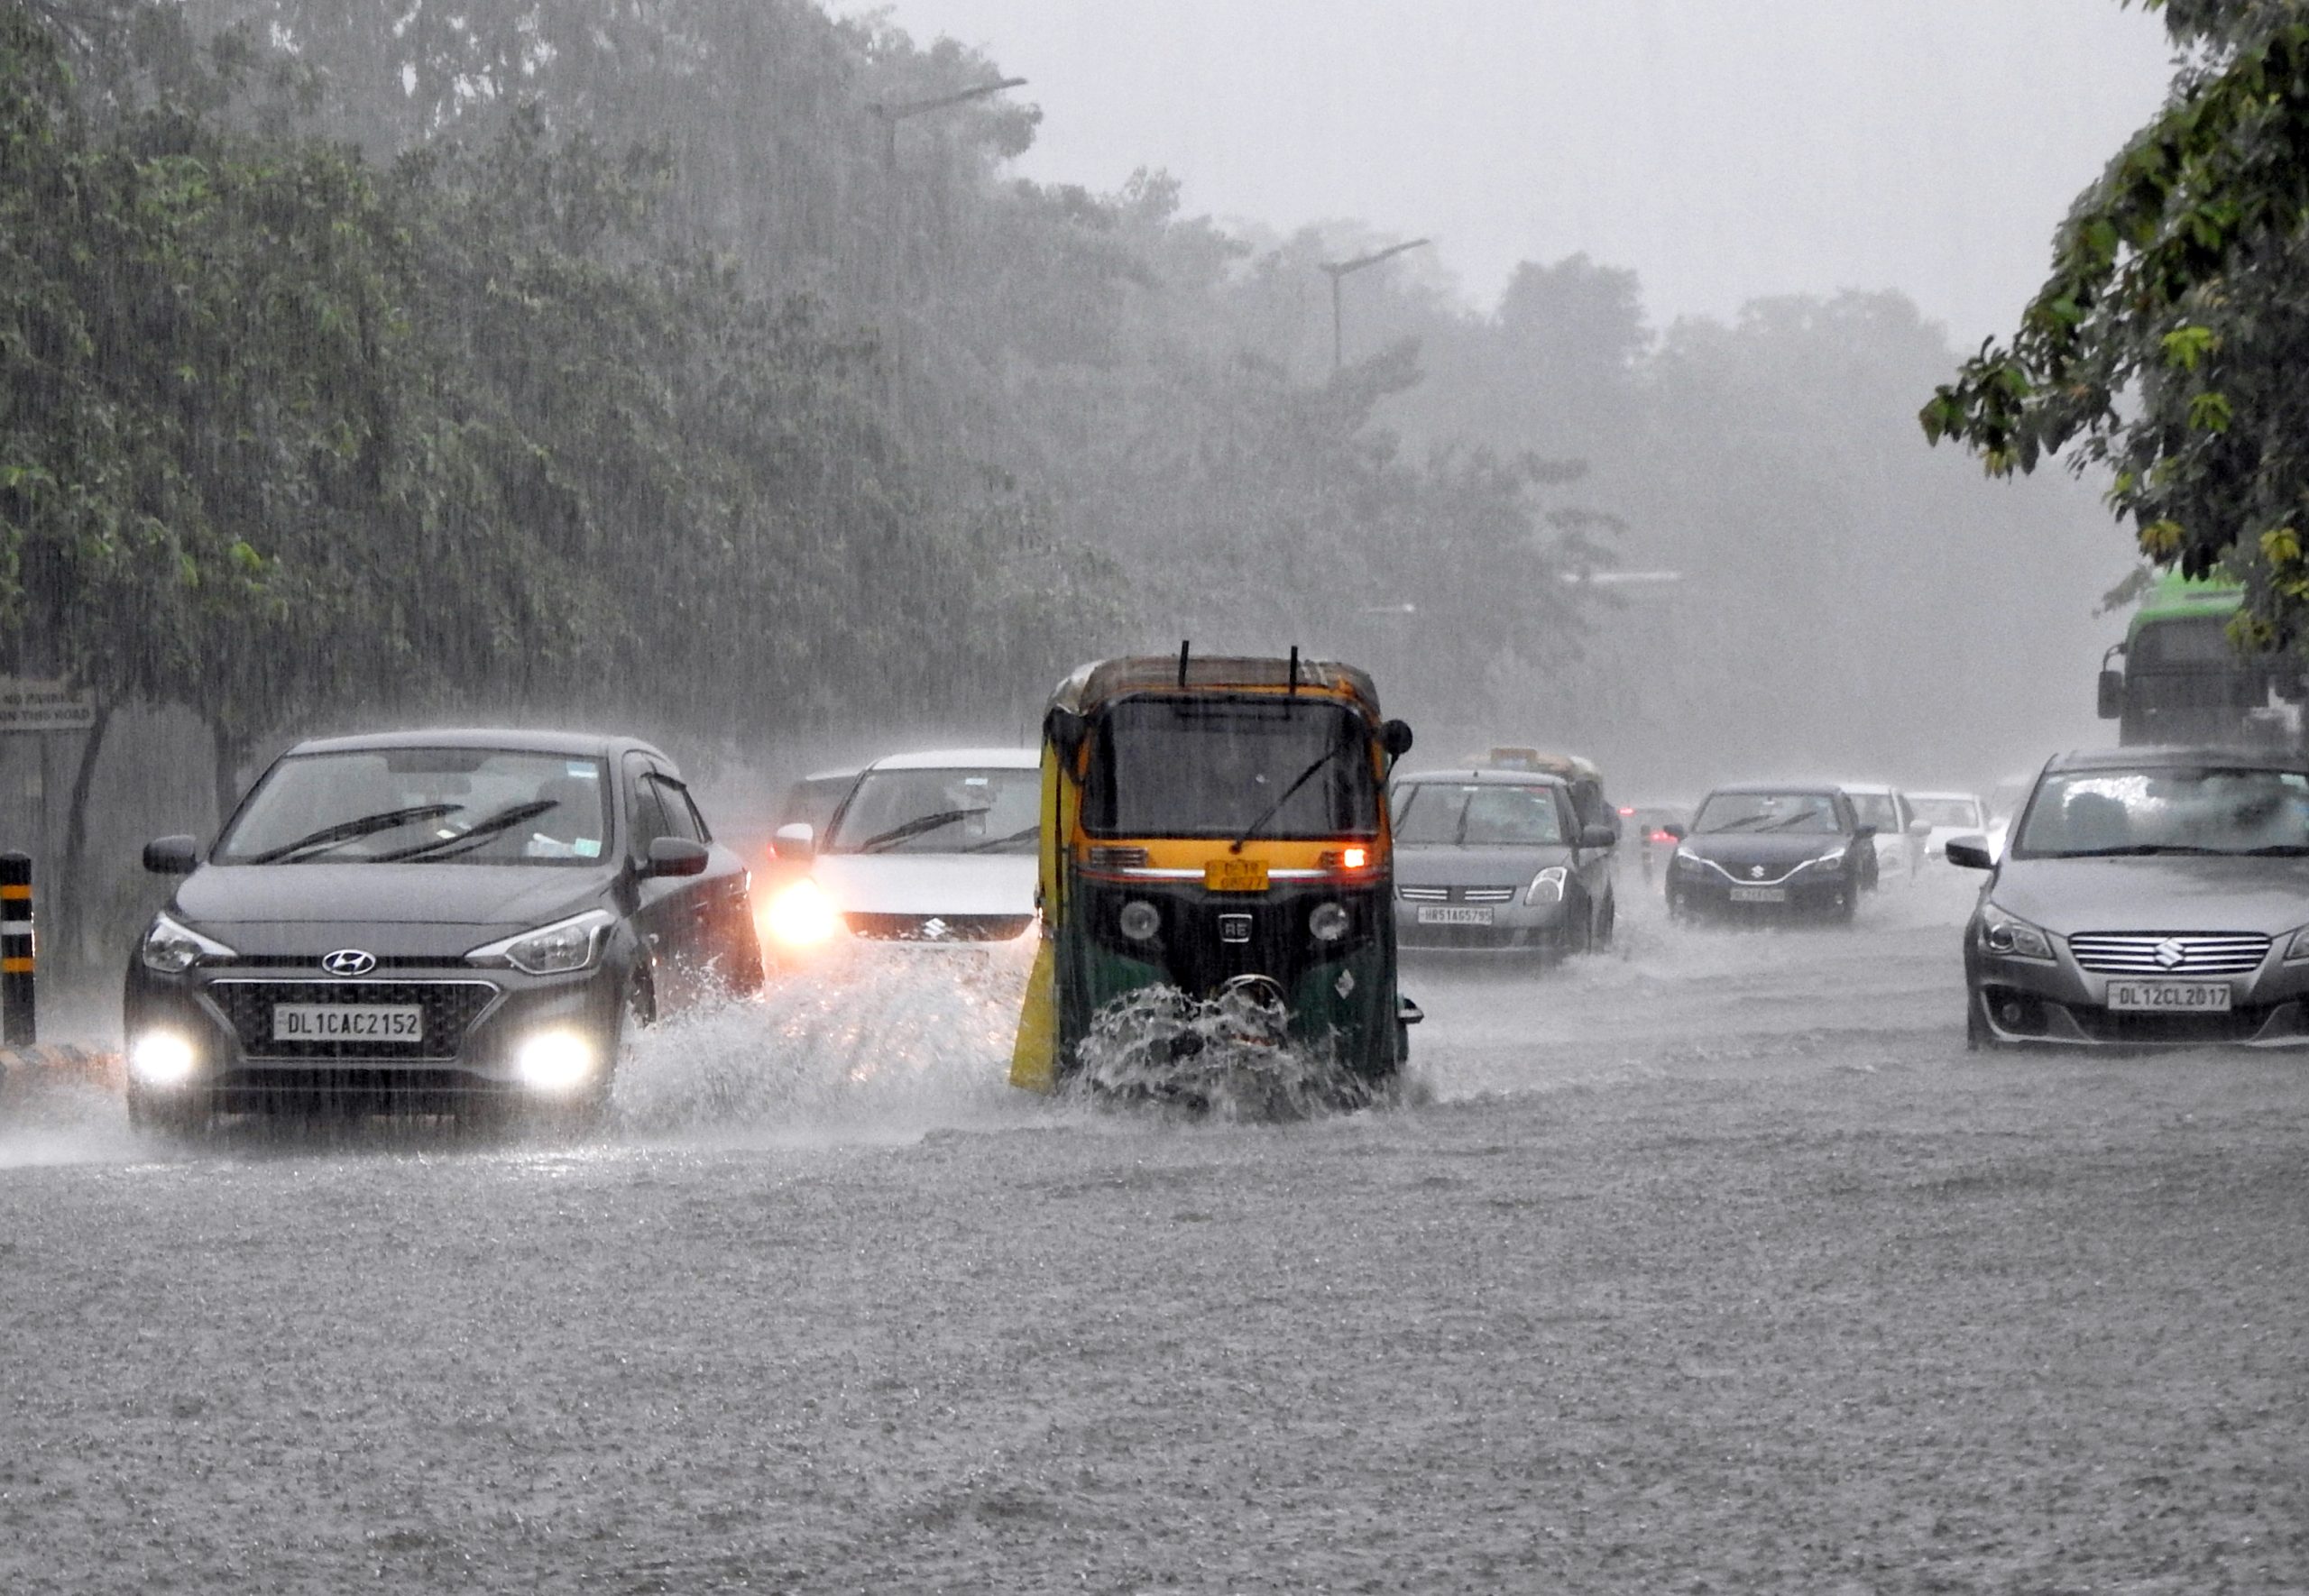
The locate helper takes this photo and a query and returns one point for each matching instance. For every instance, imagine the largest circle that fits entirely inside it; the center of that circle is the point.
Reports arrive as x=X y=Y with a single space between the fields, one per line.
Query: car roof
x=1870 y=789
x=962 y=758
x=1810 y=789
x=1484 y=774
x=514 y=740
x=2136 y=757
x=1944 y=792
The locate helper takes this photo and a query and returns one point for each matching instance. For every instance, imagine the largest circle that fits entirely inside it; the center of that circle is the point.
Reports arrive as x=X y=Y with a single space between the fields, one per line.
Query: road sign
x=28 y=704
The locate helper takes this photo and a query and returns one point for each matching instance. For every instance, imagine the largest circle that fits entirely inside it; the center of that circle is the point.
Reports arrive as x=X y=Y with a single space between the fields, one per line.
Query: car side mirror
x=2113 y=694
x=1863 y=833
x=172 y=856
x=1394 y=737
x=676 y=856
x=1970 y=853
x=1599 y=836
x=1676 y=829
x=798 y=840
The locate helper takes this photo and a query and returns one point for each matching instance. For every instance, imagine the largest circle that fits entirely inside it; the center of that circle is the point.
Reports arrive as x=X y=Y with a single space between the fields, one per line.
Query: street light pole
x=1339 y=268
x=891 y=115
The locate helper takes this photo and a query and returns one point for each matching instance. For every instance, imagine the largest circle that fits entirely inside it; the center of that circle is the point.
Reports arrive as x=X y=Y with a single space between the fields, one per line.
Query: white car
x=1949 y=814
x=1899 y=836
x=935 y=850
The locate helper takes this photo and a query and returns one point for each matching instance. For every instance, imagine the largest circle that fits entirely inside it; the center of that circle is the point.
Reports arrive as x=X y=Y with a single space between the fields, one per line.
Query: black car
x=431 y=921
x=1771 y=850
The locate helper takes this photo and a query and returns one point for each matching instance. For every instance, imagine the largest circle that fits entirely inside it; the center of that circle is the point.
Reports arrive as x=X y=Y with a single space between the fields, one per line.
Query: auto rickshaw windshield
x=1201 y=767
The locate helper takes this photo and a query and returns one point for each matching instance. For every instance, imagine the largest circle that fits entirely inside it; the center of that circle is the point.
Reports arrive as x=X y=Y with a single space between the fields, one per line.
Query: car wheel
x=1609 y=925
x=175 y=1119
x=1580 y=928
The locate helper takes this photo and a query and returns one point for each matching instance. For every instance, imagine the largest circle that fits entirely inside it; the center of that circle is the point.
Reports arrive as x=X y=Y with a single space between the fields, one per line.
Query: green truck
x=2178 y=678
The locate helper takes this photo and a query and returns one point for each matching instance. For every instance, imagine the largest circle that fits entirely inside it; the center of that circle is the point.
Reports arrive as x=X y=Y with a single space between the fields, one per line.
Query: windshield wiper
x=2135 y=850
x=472 y=835
x=367 y=825
x=915 y=828
x=991 y=843
x=1269 y=812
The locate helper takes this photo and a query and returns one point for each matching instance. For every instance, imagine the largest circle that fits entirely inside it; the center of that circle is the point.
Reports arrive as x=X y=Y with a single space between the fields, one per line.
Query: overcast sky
x=1725 y=148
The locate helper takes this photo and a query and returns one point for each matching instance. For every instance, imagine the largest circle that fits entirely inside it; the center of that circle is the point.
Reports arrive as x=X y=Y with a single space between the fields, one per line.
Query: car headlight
x=2298 y=947
x=172 y=949
x=162 y=1058
x=803 y=914
x=2008 y=937
x=1687 y=860
x=1547 y=886
x=561 y=949
x=1829 y=860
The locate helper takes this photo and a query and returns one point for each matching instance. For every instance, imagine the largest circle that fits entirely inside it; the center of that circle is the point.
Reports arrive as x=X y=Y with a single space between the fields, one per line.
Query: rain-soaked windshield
x=944 y=811
x=1947 y=812
x=1800 y=813
x=1215 y=768
x=1477 y=814
x=1875 y=809
x=2149 y=810
x=471 y=806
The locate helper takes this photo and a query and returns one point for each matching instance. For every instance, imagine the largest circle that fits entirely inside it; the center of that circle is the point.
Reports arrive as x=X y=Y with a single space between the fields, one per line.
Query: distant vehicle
x=1771 y=850
x=1948 y=814
x=1498 y=861
x=427 y=921
x=2150 y=896
x=1899 y=835
x=1578 y=773
x=2177 y=679
x=1644 y=830
x=930 y=850
x=809 y=801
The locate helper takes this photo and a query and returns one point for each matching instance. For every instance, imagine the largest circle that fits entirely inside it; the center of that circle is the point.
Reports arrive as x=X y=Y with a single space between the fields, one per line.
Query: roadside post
x=19 y=1020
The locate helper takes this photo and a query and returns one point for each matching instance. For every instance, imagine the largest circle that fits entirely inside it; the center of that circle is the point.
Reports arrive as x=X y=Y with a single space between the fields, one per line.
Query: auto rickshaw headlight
x=1329 y=921
x=1140 y=920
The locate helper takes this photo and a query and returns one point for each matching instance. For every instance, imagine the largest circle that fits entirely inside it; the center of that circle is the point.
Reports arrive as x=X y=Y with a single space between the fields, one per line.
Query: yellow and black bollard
x=19 y=1024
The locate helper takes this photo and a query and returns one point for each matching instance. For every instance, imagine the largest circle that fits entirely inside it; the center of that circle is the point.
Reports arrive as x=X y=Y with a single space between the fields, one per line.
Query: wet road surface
x=1712 y=1263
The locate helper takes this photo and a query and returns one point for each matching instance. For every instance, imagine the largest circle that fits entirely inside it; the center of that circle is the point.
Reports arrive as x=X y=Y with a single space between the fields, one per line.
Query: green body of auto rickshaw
x=1217 y=827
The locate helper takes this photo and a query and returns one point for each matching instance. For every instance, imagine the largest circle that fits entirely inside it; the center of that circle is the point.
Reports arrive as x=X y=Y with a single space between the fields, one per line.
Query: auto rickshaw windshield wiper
x=1269 y=812
x=367 y=825
x=915 y=828
x=472 y=835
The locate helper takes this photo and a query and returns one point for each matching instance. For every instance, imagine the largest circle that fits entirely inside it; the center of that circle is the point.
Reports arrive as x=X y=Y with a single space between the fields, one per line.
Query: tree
x=2168 y=343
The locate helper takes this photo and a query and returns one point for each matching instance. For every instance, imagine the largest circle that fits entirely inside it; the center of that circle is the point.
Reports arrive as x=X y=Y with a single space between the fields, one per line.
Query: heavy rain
x=1010 y=795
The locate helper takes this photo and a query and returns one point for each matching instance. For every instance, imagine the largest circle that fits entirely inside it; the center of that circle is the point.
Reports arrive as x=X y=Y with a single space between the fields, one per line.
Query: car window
x=1480 y=814
x=1802 y=813
x=956 y=810
x=1949 y=811
x=1875 y=809
x=2201 y=810
x=484 y=806
x=645 y=815
x=681 y=817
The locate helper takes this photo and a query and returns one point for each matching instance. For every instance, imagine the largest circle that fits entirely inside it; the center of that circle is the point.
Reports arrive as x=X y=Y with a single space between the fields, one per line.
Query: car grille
x=2150 y=953
x=1462 y=894
x=450 y=1008
x=939 y=928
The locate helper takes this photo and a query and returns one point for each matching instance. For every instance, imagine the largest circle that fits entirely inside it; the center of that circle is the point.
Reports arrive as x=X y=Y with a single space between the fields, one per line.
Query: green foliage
x=2168 y=342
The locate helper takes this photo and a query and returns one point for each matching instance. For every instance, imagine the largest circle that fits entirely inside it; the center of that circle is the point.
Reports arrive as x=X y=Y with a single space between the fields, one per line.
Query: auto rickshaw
x=1217 y=826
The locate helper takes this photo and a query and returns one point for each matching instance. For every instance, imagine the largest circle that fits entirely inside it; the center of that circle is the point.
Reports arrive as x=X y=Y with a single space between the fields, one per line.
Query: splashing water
x=1228 y=1057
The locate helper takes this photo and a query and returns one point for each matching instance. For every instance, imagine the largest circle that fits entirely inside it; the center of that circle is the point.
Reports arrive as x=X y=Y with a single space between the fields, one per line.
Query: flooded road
x=1712 y=1263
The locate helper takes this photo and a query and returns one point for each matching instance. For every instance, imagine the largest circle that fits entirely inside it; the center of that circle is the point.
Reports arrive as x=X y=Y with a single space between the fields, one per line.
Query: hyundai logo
x=349 y=961
x=2170 y=953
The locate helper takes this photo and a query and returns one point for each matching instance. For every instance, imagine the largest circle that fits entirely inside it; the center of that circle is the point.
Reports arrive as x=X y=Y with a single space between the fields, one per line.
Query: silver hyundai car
x=2146 y=896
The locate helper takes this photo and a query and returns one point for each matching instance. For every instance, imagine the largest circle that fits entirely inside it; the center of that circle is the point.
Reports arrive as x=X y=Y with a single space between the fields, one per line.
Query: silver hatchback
x=1498 y=861
x=2146 y=897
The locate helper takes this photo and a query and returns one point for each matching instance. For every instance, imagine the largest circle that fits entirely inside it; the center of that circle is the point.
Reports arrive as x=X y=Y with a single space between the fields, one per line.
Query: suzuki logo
x=935 y=930
x=349 y=961
x=2170 y=953
x=1756 y=872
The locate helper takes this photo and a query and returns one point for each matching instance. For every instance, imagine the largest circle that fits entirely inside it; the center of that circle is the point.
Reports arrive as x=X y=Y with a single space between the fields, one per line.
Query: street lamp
x=1339 y=268
x=891 y=115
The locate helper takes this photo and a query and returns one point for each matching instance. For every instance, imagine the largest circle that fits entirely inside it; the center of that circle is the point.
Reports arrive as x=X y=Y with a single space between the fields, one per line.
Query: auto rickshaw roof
x=1102 y=683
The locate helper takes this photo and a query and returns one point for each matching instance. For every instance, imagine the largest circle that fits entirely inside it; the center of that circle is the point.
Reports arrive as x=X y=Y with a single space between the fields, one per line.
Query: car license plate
x=348 y=1021
x=1235 y=876
x=1453 y=914
x=2200 y=997
x=1760 y=895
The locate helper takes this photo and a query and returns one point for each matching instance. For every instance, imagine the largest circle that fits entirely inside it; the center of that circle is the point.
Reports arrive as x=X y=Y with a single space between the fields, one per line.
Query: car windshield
x=1803 y=814
x=1947 y=811
x=952 y=809
x=1477 y=814
x=2207 y=809
x=382 y=806
x=1219 y=767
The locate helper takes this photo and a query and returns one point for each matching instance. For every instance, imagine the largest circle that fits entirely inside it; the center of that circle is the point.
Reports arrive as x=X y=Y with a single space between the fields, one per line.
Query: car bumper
x=1514 y=927
x=2061 y=1005
x=477 y=1026
x=1711 y=894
